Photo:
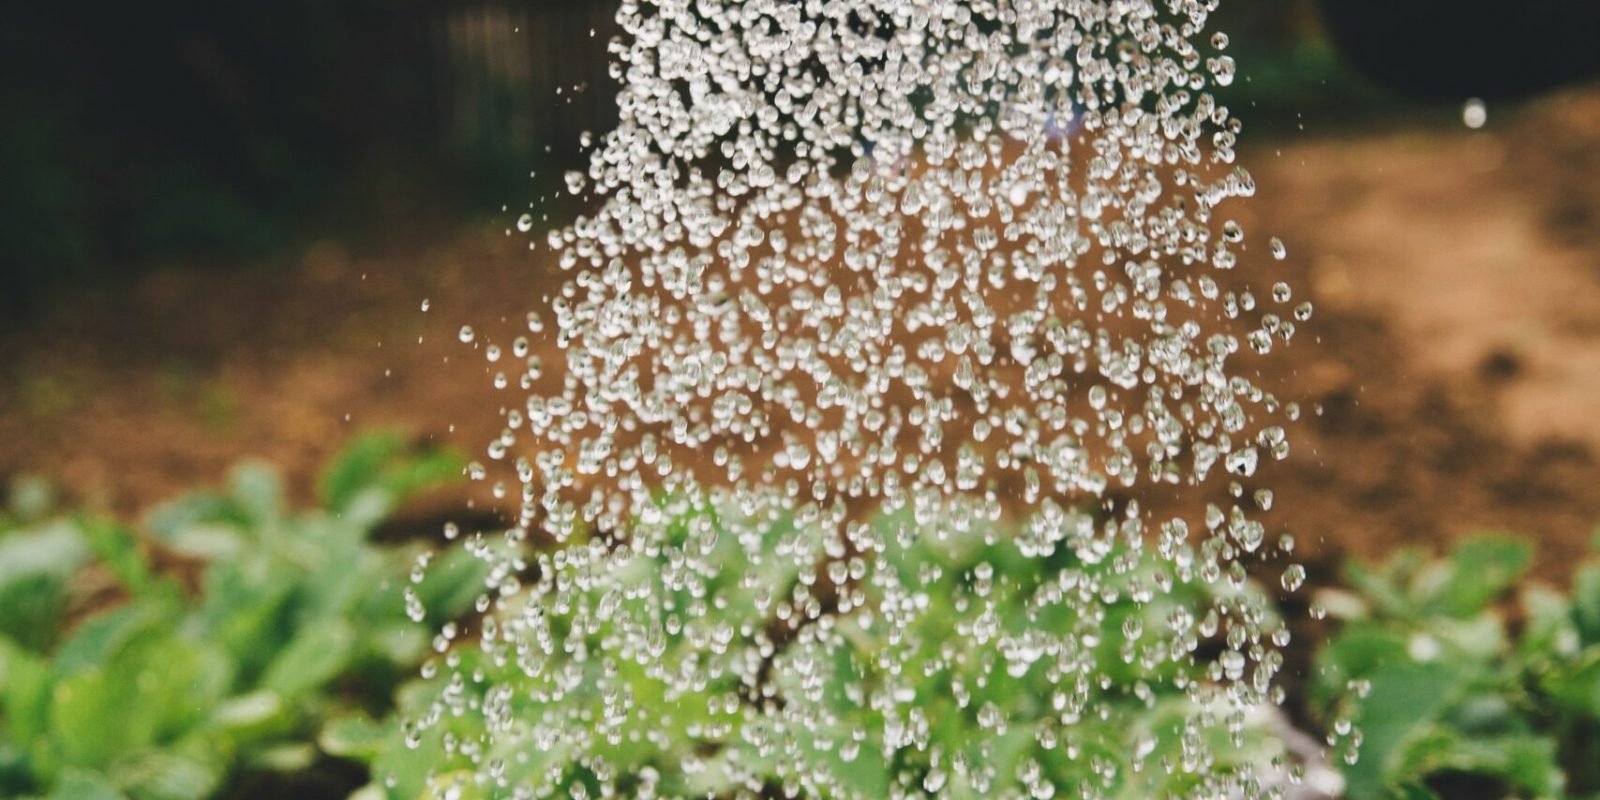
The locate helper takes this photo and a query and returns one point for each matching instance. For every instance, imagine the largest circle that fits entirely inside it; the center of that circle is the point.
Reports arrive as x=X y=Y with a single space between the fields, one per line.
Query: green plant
x=618 y=710
x=175 y=687
x=234 y=637
x=1444 y=684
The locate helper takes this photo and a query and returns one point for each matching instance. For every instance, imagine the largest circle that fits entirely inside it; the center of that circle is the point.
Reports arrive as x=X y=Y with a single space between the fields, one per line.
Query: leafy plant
x=235 y=637
x=1444 y=686
x=170 y=690
x=484 y=726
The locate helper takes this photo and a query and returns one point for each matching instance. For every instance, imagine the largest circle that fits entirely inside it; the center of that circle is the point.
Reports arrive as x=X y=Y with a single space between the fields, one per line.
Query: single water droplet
x=1279 y=251
x=1293 y=576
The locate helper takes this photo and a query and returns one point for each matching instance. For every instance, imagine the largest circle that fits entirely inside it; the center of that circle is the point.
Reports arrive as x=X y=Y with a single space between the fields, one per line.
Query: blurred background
x=233 y=230
x=219 y=223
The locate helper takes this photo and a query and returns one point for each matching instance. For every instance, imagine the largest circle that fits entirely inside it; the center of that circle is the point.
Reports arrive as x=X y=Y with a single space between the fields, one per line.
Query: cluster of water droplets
x=887 y=315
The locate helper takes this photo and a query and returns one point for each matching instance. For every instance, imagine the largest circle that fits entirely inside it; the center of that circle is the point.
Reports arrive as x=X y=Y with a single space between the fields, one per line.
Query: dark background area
x=221 y=133
x=139 y=133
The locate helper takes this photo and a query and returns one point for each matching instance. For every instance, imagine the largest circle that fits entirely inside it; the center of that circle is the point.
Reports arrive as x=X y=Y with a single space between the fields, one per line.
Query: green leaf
x=249 y=715
x=258 y=493
x=377 y=471
x=34 y=568
x=288 y=757
x=1403 y=697
x=78 y=784
x=34 y=609
x=208 y=541
x=371 y=791
x=1528 y=762
x=401 y=642
x=450 y=585
x=1411 y=791
x=1481 y=569
x=340 y=586
x=1586 y=603
x=25 y=684
x=94 y=641
x=357 y=467
x=169 y=520
x=1358 y=651
x=1386 y=587
x=118 y=549
x=1481 y=638
x=156 y=686
x=1549 y=629
x=354 y=737
x=316 y=655
x=58 y=549
x=245 y=609
x=165 y=775
x=81 y=707
x=1576 y=687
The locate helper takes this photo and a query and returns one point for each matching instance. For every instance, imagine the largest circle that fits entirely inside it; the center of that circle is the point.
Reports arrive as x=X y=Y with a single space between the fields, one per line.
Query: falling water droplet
x=1279 y=252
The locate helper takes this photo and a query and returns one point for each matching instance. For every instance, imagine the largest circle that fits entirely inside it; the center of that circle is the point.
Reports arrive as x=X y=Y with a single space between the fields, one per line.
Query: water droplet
x=1279 y=251
x=1293 y=576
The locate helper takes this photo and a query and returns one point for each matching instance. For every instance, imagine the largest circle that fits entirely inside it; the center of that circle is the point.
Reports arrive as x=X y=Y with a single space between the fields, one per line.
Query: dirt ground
x=1454 y=355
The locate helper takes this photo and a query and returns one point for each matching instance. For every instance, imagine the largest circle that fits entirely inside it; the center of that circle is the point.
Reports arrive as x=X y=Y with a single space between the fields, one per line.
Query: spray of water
x=888 y=315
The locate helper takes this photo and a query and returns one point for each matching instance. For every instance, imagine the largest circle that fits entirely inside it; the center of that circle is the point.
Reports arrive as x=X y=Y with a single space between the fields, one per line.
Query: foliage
x=234 y=637
x=629 y=716
x=1444 y=685
x=169 y=691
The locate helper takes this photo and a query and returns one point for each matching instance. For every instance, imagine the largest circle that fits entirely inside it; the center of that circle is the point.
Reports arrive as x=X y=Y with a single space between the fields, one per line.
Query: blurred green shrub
x=170 y=692
x=1452 y=690
x=240 y=638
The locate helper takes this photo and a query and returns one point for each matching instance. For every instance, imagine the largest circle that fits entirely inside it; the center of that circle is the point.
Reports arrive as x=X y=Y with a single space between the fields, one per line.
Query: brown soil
x=1454 y=357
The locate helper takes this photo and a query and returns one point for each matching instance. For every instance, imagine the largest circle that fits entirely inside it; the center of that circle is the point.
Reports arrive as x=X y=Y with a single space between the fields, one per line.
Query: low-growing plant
x=620 y=705
x=1451 y=689
x=232 y=638
x=167 y=689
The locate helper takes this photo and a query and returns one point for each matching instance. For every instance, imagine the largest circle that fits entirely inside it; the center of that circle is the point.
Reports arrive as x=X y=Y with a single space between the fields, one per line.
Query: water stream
x=888 y=322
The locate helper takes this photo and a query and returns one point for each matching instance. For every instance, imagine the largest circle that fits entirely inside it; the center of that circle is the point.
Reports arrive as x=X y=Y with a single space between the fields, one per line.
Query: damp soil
x=1449 y=378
